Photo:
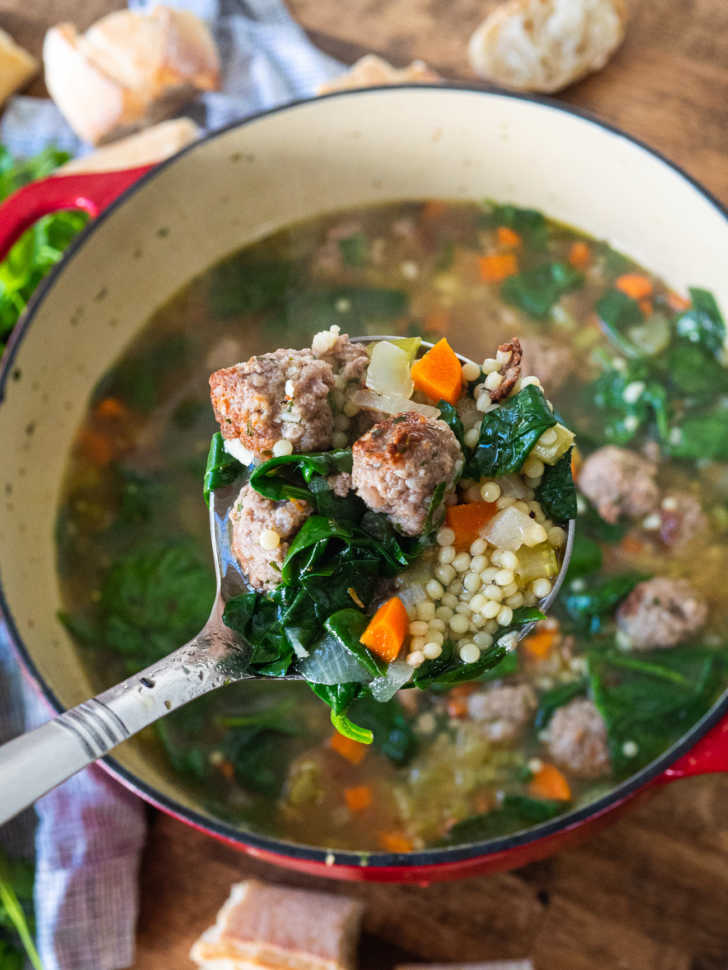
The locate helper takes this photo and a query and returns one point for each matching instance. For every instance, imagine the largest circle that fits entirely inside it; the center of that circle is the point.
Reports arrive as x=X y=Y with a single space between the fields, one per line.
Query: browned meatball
x=551 y=361
x=661 y=612
x=251 y=516
x=620 y=483
x=510 y=369
x=681 y=519
x=348 y=360
x=399 y=463
x=283 y=394
x=504 y=711
x=577 y=740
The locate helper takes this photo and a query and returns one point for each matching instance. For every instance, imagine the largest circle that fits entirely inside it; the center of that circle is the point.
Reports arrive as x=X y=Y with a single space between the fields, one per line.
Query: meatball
x=348 y=360
x=340 y=483
x=283 y=394
x=504 y=711
x=577 y=739
x=251 y=516
x=398 y=464
x=661 y=612
x=620 y=483
x=510 y=369
x=681 y=519
x=548 y=360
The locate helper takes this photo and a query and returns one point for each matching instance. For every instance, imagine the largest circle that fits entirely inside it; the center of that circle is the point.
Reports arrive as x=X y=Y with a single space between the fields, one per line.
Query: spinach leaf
x=523 y=615
x=700 y=435
x=514 y=813
x=586 y=557
x=393 y=733
x=260 y=747
x=448 y=670
x=557 y=492
x=588 y=606
x=505 y=667
x=221 y=469
x=591 y=522
x=651 y=699
x=508 y=434
x=554 y=698
x=347 y=626
x=694 y=372
x=179 y=733
x=529 y=223
x=338 y=696
x=451 y=418
x=702 y=323
x=628 y=399
x=275 y=479
x=241 y=285
x=350 y=730
x=355 y=249
x=346 y=508
x=536 y=290
x=618 y=312
x=16 y=913
x=352 y=307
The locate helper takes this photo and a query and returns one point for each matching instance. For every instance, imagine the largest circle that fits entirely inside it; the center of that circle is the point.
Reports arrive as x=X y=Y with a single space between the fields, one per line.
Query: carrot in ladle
x=387 y=630
x=438 y=374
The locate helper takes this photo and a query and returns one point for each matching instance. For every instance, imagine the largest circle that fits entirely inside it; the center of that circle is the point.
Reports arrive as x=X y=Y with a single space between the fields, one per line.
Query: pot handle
x=708 y=756
x=92 y=192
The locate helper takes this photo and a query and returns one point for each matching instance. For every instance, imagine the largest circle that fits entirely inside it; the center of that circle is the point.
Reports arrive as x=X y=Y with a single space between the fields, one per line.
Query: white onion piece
x=410 y=592
x=389 y=370
x=235 y=448
x=513 y=486
x=384 y=688
x=295 y=641
x=331 y=663
x=391 y=404
x=510 y=529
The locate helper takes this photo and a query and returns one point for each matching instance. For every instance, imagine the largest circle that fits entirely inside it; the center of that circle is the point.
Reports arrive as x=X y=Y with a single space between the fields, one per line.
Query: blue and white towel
x=89 y=832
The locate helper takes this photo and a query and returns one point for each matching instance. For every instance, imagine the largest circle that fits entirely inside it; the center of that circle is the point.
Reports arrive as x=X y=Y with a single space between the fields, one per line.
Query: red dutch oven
x=153 y=229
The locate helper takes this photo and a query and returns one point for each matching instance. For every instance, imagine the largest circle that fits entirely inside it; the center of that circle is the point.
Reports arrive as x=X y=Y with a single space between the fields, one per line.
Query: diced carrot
x=576 y=462
x=395 y=842
x=438 y=374
x=433 y=210
x=468 y=521
x=112 y=407
x=538 y=645
x=631 y=545
x=227 y=770
x=349 y=749
x=387 y=629
x=496 y=267
x=438 y=321
x=646 y=308
x=358 y=798
x=579 y=255
x=677 y=302
x=549 y=782
x=97 y=447
x=508 y=238
x=457 y=700
x=635 y=285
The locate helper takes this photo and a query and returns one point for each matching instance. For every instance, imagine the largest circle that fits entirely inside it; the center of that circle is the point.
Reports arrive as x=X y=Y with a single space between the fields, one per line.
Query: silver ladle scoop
x=34 y=763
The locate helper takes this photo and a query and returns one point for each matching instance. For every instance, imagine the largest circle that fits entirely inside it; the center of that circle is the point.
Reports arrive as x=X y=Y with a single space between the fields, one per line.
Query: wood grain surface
x=650 y=892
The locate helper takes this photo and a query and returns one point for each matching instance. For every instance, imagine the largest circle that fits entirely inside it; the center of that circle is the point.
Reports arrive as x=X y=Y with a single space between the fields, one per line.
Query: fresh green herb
x=16 y=902
x=703 y=323
x=355 y=249
x=508 y=434
x=588 y=607
x=514 y=813
x=555 y=698
x=651 y=699
x=557 y=492
x=221 y=469
x=536 y=290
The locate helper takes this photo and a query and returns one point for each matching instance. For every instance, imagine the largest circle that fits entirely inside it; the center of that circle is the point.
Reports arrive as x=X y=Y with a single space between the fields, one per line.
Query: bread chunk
x=17 y=66
x=544 y=45
x=145 y=148
x=282 y=929
x=372 y=70
x=128 y=70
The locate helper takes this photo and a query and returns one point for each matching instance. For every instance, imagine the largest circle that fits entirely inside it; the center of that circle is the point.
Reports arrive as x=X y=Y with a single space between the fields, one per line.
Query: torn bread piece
x=145 y=148
x=272 y=927
x=128 y=70
x=544 y=45
x=17 y=66
x=372 y=70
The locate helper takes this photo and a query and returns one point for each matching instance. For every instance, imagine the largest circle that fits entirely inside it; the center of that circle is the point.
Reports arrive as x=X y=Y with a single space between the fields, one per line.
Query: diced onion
x=331 y=663
x=237 y=450
x=391 y=404
x=384 y=688
x=509 y=529
x=513 y=486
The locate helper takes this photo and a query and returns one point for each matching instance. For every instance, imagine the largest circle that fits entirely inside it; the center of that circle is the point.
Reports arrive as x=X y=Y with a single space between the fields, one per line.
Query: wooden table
x=650 y=892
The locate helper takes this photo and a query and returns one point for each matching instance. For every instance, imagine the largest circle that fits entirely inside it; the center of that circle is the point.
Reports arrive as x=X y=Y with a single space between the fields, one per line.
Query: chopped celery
x=536 y=563
x=550 y=454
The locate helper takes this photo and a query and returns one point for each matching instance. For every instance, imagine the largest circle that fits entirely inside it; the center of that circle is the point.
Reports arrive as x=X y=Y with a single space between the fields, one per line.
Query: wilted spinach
x=508 y=434
x=703 y=322
x=536 y=290
x=515 y=812
x=557 y=492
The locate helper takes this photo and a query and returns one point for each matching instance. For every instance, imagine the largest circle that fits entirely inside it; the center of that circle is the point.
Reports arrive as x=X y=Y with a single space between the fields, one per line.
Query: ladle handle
x=34 y=763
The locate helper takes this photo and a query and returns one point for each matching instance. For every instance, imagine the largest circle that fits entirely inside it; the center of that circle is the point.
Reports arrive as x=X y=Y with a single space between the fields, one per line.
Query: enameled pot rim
x=329 y=860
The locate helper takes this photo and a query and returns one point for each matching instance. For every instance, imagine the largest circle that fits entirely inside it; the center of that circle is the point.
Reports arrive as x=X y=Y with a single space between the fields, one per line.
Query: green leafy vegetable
x=260 y=747
x=508 y=434
x=536 y=290
x=393 y=733
x=347 y=626
x=16 y=901
x=618 y=312
x=350 y=730
x=276 y=479
x=628 y=399
x=586 y=557
x=221 y=469
x=241 y=285
x=451 y=418
x=528 y=223
x=515 y=812
x=700 y=435
x=352 y=307
x=448 y=670
x=703 y=323
x=694 y=372
x=556 y=697
x=651 y=699
x=355 y=249
x=598 y=598
x=557 y=492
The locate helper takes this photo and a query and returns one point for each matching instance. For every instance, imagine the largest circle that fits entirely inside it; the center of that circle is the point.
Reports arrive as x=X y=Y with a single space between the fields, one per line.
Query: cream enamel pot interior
x=233 y=188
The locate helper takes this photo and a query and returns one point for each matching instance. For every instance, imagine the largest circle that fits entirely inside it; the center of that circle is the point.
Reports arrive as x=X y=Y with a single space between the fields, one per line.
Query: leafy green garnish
x=702 y=323
x=536 y=290
x=557 y=492
x=598 y=598
x=514 y=813
x=221 y=469
x=651 y=699
x=508 y=433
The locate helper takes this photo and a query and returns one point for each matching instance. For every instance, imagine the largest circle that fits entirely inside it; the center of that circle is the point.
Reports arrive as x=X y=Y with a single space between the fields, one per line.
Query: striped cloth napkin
x=89 y=832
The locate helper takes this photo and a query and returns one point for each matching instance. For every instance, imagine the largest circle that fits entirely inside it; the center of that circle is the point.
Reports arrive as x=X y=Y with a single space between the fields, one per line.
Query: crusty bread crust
x=17 y=66
x=372 y=70
x=128 y=70
x=144 y=148
x=544 y=45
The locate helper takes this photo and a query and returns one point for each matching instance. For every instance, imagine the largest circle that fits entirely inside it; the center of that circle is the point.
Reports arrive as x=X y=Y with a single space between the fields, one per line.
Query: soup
x=633 y=653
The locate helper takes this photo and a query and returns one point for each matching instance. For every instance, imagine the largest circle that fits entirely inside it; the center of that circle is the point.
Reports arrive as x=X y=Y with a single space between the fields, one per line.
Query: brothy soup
x=630 y=658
